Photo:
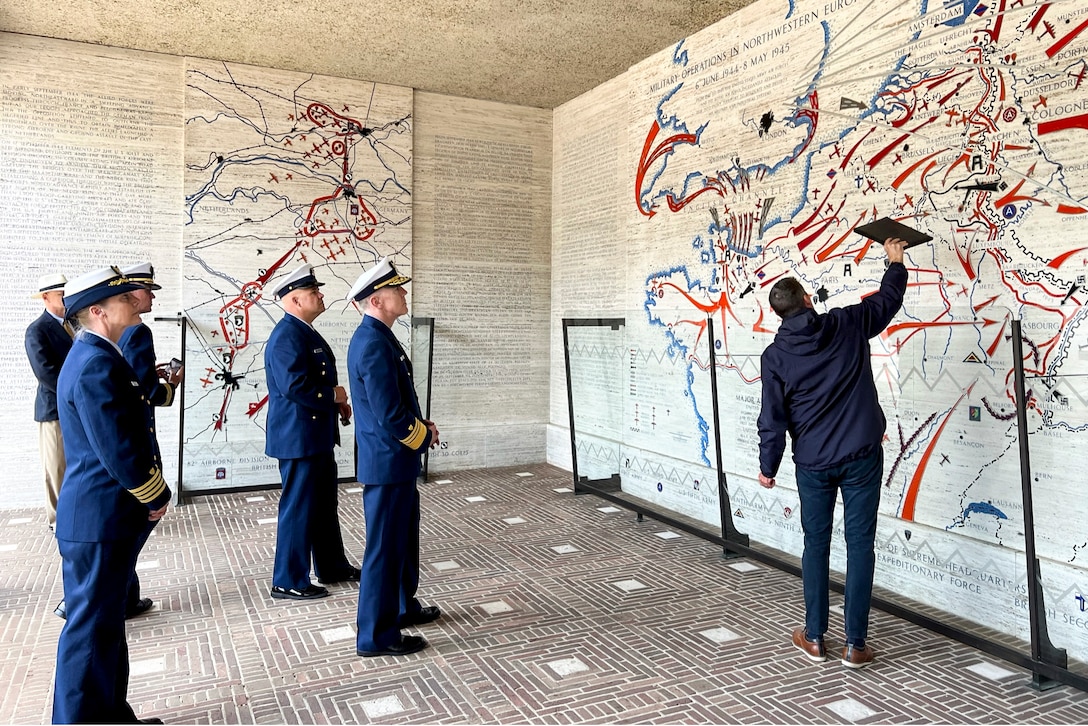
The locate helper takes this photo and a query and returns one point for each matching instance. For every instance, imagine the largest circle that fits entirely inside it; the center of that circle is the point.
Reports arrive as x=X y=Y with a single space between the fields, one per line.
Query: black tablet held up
x=886 y=227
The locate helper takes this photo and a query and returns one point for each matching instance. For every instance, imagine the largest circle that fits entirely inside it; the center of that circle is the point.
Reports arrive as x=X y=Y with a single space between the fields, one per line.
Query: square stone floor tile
x=446 y=565
x=146 y=666
x=719 y=635
x=384 y=706
x=335 y=635
x=497 y=608
x=850 y=710
x=745 y=567
x=991 y=671
x=567 y=667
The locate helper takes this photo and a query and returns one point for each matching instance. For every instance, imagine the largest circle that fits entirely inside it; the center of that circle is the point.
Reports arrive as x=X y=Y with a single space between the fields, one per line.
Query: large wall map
x=757 y=146
x=281 y=169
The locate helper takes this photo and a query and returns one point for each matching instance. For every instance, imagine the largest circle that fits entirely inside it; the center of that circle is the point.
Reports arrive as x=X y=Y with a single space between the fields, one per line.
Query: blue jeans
x=859 y=481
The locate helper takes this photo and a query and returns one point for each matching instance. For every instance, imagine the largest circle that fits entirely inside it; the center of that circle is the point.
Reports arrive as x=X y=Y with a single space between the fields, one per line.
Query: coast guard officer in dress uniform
x=113 y=487
x=391 y=435
x=304 y=403
x=48 y=340
x=159 y=384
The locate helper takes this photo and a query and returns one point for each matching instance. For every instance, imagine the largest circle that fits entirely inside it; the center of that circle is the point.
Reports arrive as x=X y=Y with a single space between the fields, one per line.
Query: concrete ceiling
x=527 y=52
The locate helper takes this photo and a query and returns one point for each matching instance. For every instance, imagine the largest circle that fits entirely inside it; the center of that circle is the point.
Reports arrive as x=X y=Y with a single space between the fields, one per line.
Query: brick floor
x=555 y=612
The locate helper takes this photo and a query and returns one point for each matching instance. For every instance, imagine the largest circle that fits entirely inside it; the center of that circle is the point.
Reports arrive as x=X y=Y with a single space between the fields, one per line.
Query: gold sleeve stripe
x=169 y=394
x=151 y=490
x=416 y=436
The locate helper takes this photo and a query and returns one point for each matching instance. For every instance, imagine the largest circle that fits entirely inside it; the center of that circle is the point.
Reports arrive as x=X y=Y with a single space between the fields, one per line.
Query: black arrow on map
x=982 y=186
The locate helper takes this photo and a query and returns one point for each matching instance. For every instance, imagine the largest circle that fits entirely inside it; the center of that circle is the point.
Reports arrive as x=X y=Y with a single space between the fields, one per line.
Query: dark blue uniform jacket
x=47 y=345
x=300 y=371
x=389 y=427
x=114 y=473
x=818 y=382
x=138 y=345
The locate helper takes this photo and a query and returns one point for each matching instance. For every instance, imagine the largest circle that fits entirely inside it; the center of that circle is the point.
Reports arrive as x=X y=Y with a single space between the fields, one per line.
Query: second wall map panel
x=281 y=169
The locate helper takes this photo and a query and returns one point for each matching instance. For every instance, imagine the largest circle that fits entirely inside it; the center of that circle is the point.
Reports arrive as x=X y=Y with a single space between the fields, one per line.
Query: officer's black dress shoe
x=311 y=592
x=352 y=575
x=149 y=720
x=142 y=606
x=408 y=644
x=425 y=615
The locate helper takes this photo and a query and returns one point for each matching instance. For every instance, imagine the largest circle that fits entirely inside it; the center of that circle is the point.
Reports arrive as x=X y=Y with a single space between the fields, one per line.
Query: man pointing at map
x=818 y=385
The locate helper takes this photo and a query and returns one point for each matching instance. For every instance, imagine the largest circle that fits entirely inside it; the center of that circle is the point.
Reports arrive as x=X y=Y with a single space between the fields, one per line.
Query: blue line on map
x=677 y=348
x=671 y=122
x=663 y=123
x=680 y=58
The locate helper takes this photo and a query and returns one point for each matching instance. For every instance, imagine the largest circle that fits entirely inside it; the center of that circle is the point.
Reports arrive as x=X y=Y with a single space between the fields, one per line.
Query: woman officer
x=112 y=487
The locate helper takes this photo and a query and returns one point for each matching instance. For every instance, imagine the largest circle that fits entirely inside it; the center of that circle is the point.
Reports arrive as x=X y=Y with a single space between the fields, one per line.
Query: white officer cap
x=301 y=278
x=383 y=274
x=49 y=283
x=142 y=273
x=94 y=287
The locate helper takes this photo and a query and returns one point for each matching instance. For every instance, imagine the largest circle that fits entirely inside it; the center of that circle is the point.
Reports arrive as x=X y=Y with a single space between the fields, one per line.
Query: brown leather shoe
x=854 y=657
x=814 y=651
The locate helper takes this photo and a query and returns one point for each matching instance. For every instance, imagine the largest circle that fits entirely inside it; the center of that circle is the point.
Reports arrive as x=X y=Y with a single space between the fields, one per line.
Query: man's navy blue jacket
x=47 y=345
x=818 y=382
x=389 y=427
x=300 y=372
x=138 y=346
